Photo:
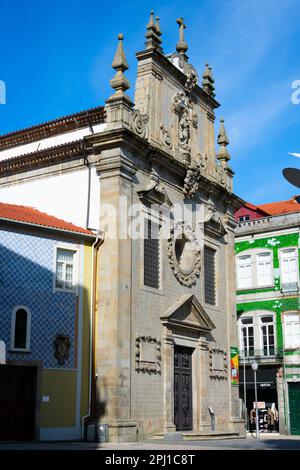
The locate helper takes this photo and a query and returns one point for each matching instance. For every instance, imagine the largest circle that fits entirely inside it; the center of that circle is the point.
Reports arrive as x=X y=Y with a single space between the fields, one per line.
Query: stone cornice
x=42 y=158
x=112 y=138
x=52 y=128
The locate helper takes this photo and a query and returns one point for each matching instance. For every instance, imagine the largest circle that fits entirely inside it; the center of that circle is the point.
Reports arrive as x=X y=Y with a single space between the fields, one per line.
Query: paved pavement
x=266 y=442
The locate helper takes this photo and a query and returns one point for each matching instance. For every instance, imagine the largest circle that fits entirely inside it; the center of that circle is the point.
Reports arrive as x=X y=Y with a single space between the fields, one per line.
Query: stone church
x=164 y=320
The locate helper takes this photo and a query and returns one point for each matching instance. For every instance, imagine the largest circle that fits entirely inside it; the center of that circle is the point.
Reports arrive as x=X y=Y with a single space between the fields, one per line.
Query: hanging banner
x=234 y=364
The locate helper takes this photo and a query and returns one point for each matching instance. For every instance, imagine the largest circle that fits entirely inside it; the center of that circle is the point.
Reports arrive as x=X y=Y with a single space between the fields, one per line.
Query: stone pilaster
x=168 y=361
x=113 y=343
x=204 y=424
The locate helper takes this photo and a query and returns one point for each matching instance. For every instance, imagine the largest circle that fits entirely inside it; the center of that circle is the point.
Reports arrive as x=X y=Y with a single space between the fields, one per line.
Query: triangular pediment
x=187 y=312
x=154 y=193
x=214 y=223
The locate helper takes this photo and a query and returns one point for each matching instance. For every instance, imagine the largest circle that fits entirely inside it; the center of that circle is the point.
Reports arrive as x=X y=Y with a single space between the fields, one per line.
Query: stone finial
x=181 y=46
x=119 y=82
x=158 y=31
x=153 y=33
x=223 y=155
x=151 y=24
x=208 y=80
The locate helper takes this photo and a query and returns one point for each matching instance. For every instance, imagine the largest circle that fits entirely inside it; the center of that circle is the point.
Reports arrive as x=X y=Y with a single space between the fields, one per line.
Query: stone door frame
x=199 y=345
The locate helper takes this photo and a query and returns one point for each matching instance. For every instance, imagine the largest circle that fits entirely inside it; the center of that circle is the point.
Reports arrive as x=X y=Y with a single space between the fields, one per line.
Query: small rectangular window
x=264 y=269
x=289 y=270
x=244 y=218
x=244 y=272
x=210 y=275
x=291 y=331
x=268 y=335
x=64 y=277
x=247 y=337
x=152 y=255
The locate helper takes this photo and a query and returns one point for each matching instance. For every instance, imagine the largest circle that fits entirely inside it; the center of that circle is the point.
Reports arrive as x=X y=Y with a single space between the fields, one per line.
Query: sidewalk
x=266 y=440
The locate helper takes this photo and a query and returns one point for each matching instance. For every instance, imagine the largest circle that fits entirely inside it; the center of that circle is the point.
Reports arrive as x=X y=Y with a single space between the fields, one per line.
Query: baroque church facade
x=164 y=322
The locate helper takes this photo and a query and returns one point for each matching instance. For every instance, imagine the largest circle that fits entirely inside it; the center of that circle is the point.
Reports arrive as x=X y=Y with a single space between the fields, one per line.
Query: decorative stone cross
x=181 y=46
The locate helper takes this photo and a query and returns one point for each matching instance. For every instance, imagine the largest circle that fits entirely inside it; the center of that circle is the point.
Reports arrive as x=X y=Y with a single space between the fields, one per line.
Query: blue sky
x=56 y=59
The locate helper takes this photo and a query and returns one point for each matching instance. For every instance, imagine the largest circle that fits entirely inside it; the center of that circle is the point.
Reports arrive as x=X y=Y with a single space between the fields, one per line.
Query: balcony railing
x=265 y=354
x=291 y=287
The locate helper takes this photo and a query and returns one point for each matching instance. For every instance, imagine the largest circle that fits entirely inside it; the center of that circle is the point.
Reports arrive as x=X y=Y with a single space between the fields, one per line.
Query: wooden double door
x=17 y=403
x=183 y=398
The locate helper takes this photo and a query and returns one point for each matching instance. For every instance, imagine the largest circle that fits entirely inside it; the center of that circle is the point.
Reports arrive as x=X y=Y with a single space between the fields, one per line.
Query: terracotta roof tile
x=33 y=216
x=282 y=207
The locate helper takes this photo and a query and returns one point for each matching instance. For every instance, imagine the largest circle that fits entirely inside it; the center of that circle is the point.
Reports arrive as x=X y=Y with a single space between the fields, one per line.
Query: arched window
x=20 y=329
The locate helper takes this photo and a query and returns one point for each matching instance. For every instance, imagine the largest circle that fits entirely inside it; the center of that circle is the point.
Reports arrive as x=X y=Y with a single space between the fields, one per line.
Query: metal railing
x=290 y=287
x=268 y=353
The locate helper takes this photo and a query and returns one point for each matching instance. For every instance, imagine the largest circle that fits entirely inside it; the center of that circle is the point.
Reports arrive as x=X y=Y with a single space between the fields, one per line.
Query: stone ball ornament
x=184 y=253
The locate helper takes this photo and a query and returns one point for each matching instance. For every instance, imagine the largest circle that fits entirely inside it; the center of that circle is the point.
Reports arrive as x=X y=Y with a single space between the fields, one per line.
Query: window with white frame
x=255 y=269
x=20 y=329
x=247 y=337
x=291 y=330
x=244 y=218
x=289 y=269
x=257 y=334
x=244 y=271
x=264 y=269
x=267 y=331
x=65 y=273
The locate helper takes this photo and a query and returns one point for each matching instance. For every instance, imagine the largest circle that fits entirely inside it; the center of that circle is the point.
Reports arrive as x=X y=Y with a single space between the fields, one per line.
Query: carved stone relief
x=166 y=137
x=191 y=80
x=148 y=354
x=182 y=106
x=184 y=253
x=218 y=365
x=188 y=69
x=223 y=178
x=62 y=346
x=193 y=175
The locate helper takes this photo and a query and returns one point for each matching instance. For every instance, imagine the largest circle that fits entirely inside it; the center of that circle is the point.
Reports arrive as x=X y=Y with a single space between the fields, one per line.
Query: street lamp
x=254 y=366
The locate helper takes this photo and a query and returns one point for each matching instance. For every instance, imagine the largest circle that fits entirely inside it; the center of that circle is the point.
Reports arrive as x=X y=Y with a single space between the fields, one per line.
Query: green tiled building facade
x=268 y=317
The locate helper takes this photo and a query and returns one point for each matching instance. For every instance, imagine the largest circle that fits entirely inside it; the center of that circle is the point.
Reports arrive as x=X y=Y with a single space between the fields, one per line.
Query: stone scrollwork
x=166 y=137
x=222 y=178
x=184 y=253
x=218 y=367
x=184 y=132
x=148 y=354
x=192 y=179
x=188 y=69
x=191 y=80
x=139 y=122
x=193 y=175
x=183 y=107
x=202 y=158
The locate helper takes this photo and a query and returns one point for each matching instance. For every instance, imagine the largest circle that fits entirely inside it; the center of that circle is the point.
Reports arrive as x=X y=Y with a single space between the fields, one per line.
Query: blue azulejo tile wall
x=26 y=278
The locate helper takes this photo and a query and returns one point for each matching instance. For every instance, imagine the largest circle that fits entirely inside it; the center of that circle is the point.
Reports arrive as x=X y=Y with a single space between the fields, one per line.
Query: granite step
x=196 y=436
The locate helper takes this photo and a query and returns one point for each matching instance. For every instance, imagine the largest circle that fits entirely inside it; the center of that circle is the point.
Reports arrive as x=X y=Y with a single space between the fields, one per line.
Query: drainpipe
x=99 y=240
